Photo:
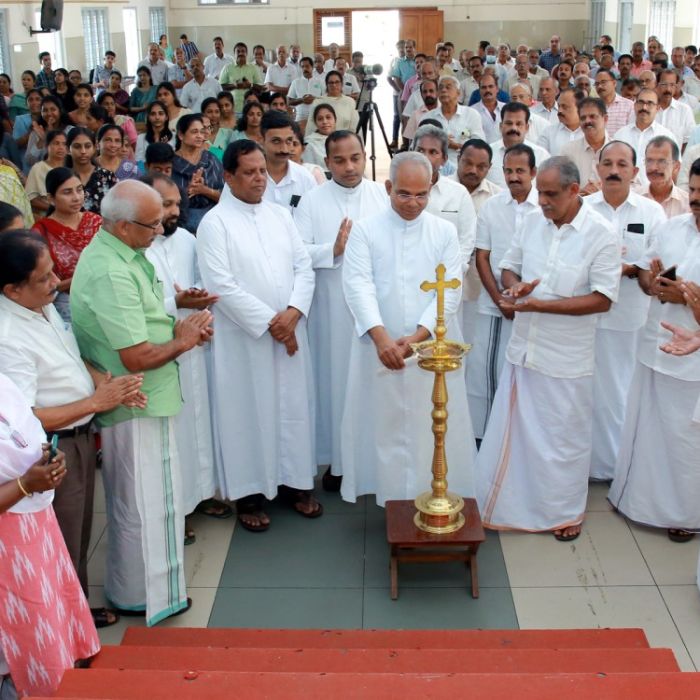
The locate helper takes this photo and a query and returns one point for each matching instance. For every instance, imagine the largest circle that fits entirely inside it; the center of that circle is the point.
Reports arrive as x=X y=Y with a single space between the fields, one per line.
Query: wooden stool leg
x=474 y=571
x=394 y=574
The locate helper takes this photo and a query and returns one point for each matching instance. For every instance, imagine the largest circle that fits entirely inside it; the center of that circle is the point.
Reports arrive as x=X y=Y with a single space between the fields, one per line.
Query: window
x=4 y=45
x=595 y=27
x=156 y=18
x=624 y=37
x=96 y=35
x=234 y=2
x=51 y=42
x=662 y=16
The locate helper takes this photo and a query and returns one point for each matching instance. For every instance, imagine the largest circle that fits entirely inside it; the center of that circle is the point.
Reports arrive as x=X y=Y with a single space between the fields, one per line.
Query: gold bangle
x=22 y=489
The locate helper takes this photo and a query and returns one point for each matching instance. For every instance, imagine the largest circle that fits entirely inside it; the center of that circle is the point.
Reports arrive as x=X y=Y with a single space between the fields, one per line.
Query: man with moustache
x=585 y=152
x=515 y=118
x=240 y=76
x=561 y=270
x=567 y=128
x=499 y=218
x=428 y=92
x=174 y=257
x=636 y=221
x=251 y=256
x=304 y=90
x=428 y=71
x=387 y=258
x=522 y=75
x=657 y=481
x=662 y=159
x=489 y=108
x=547 y=106
x=619 y=109
x=280 y=74
x=471 y=83
x=676 y=116
x=643 y=129
x=325 y=218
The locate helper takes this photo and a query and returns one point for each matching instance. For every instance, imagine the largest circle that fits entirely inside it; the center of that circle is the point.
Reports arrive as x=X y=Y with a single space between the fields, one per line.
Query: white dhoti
x=615 y=353
x=657 y=475
x=484 y=366
x=389 y=452
x=145 y=517
x=532 y=468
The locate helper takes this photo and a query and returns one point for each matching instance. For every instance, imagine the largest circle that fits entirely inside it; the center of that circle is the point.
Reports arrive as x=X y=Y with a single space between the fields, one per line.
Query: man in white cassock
x=499 y=218
x=562 y=268
x=324 y=218
x=657 y=480
x=386 y=438
x=174 y=256
x=252 y=257
x=635 y=220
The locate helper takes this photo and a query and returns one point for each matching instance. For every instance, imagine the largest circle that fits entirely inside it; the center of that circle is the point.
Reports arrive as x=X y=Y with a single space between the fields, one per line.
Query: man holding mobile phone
x=657 y=481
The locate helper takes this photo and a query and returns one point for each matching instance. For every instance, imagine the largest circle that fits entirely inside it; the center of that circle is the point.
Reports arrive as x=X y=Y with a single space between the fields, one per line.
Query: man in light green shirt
x=120 y=324
x=239 y=76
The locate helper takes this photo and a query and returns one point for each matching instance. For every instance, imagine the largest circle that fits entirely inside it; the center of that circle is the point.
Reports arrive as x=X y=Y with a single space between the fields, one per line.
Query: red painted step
x=387 y=639
x=169 y=685
x=386 y=660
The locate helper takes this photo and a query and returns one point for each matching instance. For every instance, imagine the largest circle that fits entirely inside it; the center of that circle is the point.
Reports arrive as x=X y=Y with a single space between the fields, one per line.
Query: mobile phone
x=669 y=273
x=53 y=448
x=635 y=228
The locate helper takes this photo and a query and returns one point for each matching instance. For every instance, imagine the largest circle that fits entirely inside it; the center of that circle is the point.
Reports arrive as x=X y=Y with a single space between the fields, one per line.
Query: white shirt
x=549 y=114
x=676 y=243
x=677 y=202
x=577 y=259
x=678 y=118
x=482 y=193
x=193 y=94
x=159 y=71
x=415 y=101
x=499 y=218
x=462 y=126
x=305 y=86
x=40 y=354
x=281 y=76
x=692 y=86
x=350 y=85
x=451 y=201
x=330 y=65
x=467 y=86
x=586 y=159
x=213 y=65
x=495 y=173
x=629 y=312
x=692 y=153
x=537 y=125
x=294 y=184
x=491 y=125
x=639 y=139
x=556 y=136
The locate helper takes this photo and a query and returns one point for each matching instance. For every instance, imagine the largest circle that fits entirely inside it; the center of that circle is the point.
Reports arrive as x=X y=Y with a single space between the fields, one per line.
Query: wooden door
x=425 y=25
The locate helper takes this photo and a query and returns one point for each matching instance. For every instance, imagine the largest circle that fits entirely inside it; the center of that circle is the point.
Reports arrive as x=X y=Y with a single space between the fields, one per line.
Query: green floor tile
x=298 y=552
x=439 y=608
x=297 y=608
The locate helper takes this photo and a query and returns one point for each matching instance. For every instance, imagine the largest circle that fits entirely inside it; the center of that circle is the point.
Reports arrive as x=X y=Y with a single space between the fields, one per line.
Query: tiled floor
x=333 y=572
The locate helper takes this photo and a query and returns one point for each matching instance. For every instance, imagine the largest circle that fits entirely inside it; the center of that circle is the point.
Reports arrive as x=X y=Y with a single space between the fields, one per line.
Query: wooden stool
x=410 y=544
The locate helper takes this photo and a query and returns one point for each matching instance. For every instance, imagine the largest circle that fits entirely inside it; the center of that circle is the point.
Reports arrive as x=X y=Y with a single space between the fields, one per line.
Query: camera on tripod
x=370 y=81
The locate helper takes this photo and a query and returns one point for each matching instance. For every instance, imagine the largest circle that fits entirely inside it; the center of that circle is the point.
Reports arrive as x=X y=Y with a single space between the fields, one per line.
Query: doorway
x=131 y=38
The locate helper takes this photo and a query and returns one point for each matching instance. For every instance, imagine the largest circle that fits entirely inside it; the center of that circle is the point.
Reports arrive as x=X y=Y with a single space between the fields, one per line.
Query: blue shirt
x=548 y=60
x=403 y=69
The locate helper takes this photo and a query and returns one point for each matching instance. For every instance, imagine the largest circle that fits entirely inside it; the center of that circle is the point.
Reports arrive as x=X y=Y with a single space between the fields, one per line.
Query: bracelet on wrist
x=22 y=489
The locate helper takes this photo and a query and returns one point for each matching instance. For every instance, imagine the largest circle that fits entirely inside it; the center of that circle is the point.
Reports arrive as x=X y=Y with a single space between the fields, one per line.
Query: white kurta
x=657 y=480
x=532 y=468
x=252 y=256
x=330 y=321
x=616 y=337
x=386 y=441
x=175 y=260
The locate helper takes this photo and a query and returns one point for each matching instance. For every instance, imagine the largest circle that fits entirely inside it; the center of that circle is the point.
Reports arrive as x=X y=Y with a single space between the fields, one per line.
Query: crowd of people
x=195 y=270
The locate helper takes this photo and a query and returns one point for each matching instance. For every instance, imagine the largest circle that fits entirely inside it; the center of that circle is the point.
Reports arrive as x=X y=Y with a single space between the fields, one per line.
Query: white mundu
x=635 y=222
x=657 y=480
x=175 y=260
x=252 y=256
x=499 y=218
x=386 y=441
x=532 y=468
x=330 y=322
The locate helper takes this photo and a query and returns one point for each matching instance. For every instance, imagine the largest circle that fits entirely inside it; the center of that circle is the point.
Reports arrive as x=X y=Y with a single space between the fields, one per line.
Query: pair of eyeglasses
x=420 y=198
x=6 y=432
x=153 y=227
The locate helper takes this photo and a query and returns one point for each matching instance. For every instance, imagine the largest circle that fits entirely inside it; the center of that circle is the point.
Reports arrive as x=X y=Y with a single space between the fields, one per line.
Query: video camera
x=370 y=82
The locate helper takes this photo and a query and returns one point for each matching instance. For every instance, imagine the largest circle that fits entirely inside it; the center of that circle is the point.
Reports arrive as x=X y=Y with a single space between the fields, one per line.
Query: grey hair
x=408 y=157
x=444 y=78
x=660 y=141
x=568 y=171
x=525 y=86
x=432 y=132
x=123 y=201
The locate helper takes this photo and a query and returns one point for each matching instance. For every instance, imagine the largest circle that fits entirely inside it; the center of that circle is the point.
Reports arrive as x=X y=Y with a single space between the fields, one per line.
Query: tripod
x=367 y=119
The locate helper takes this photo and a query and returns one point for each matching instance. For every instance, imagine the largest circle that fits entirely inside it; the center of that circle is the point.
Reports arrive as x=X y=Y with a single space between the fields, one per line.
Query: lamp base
x=439 y=516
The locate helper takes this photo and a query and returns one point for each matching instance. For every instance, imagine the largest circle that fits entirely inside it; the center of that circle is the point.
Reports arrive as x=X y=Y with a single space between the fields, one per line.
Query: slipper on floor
x=676 y=535
x=100 y=617
x=260 y=527
x=331 y=482
x=214 y=509
x=561 y=537
x=129 y=613
x=299 y=497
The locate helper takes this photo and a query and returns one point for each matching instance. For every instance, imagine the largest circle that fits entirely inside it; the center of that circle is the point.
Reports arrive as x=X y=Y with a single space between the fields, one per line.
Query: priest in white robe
x=657 y=480
x=562 y=268
x=251 y=256
x=174 y=256
x=325 y=217
x=499 y=218
x=386 y=438
x=635 y=220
